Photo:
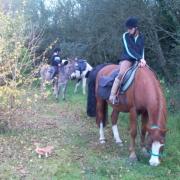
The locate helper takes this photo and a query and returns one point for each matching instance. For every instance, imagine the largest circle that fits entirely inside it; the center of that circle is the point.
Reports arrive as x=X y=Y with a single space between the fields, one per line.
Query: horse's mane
x=160 y=97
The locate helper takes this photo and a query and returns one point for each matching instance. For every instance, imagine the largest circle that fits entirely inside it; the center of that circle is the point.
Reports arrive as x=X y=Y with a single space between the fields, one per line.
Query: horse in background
x=63 y=76
x=144 y=97
x=46 y=73
x=82 y=69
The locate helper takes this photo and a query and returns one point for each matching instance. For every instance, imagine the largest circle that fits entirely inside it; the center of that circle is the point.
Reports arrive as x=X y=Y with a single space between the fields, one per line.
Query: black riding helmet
x=57 y=50
x=131 y=22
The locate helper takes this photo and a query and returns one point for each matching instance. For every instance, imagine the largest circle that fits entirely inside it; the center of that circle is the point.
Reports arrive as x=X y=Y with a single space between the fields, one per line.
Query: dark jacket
x=133 y=49
x=55 y=60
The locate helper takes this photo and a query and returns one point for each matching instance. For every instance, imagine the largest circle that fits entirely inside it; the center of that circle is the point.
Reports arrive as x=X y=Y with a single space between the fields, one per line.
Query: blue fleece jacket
x=133 y=47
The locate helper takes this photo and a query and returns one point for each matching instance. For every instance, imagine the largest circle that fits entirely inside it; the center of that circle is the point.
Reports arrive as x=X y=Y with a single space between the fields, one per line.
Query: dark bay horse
x=144 y=97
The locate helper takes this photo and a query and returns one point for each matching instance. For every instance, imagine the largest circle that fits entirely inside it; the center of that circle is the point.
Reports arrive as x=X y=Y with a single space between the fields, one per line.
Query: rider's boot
x=114 y=90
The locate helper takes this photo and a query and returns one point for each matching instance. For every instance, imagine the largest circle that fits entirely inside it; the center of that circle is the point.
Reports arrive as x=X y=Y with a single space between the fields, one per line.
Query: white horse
x=82 y=69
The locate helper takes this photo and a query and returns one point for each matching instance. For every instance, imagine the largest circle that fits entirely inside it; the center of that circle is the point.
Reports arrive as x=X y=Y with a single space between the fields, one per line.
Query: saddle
x=106 y=82
x=81 y=65
x=128 y=78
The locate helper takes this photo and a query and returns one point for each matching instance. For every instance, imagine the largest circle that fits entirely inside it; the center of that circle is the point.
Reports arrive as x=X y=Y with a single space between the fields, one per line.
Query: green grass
x=77 y=153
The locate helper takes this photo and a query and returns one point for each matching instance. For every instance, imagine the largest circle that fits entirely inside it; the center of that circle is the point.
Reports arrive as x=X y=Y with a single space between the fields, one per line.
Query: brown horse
x=144 y=97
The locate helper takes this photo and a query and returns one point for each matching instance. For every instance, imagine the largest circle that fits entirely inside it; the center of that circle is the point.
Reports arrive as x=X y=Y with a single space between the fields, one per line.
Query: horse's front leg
x=64 y=91
x=43 y=85
x=77 y=85
x=144 y=118
x=56 y=90
x=114 y=118
x=84 y=85
x=133 y=133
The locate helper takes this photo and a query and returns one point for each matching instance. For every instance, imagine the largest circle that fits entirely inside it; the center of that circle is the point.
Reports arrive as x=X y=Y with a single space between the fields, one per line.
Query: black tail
x=91 y=99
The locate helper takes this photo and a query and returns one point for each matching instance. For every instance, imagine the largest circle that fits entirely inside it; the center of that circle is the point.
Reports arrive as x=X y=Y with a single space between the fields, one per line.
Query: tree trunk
x=161 y=59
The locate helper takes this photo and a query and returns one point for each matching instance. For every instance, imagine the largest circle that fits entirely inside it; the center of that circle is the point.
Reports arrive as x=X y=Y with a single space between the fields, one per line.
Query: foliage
x=93 y=29
x=17 y=59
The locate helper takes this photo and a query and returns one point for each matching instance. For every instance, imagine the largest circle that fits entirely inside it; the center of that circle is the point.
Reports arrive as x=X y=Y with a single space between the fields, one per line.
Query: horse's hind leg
x=133 y=133
x=42 y=87
x=114 y=117
x=100 y=118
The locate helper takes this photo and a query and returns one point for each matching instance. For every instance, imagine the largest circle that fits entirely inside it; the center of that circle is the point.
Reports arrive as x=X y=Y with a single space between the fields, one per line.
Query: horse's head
x=70 y=67
x=155 y=143
x=64 y=62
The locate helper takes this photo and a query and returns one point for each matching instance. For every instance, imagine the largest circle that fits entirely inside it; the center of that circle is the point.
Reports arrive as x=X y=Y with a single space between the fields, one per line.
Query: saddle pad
x=81 y=65
x=105 y=84
x=128 y=78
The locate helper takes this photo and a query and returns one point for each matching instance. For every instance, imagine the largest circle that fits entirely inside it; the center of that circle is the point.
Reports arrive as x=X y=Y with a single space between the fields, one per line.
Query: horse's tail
x=91 y=99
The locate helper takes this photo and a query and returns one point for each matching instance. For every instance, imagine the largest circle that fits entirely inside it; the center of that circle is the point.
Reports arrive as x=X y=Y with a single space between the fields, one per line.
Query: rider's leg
x=124 y=65
x=55 y=72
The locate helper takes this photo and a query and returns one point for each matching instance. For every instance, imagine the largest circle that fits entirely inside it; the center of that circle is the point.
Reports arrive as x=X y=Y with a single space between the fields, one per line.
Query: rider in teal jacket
x=133 y=50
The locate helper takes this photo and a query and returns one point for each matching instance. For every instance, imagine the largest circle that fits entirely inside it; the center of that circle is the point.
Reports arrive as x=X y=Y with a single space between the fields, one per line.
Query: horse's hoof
x=120 y=144
x=133 y=157
x=102 y=141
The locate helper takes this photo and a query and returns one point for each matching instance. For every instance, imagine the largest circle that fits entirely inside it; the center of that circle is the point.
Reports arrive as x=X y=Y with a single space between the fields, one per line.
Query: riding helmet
x=57 y=49
x=131 y=22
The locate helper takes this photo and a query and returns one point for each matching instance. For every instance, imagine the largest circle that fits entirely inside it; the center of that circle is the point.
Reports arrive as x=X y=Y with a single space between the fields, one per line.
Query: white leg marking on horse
x=84 y=85
x=154 y=160
x=116 y=134
x=101 y=133
x=76 y=87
